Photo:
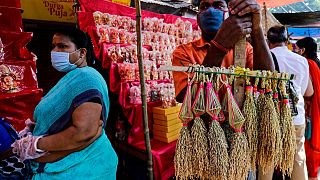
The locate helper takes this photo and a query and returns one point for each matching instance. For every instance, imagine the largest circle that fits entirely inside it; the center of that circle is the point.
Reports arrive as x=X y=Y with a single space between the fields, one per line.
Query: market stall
x=19 y=92
x=113 y=31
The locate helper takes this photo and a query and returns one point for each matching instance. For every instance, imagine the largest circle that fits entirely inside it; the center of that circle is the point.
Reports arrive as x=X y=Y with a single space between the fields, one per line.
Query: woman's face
x=62 y=43
x=299 y=50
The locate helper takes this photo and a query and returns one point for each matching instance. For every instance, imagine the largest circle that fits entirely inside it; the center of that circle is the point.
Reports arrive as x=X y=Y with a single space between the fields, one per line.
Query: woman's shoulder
x=87 y=72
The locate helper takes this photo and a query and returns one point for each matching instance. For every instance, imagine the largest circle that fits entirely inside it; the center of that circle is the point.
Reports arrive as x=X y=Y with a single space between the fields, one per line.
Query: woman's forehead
x=61 y=38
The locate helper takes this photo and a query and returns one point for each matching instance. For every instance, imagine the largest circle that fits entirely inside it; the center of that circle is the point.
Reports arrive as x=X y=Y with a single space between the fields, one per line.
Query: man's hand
x=232 y=29
x=245 y=7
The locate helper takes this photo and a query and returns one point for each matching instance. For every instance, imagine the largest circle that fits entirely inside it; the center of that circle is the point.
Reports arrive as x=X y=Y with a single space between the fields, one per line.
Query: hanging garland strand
x=201 y=162
x=288 y=137
x=218 y=146
x=183 y=157
x=251 y=124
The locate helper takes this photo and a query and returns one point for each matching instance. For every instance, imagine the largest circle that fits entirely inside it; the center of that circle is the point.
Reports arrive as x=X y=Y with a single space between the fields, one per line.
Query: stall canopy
x=304 y=32
x=276 y=3
x=310 y=19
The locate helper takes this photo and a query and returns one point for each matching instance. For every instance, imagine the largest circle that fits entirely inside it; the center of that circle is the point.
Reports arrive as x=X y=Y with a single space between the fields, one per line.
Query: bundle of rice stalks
x=251 y=125
x=289 y=135
x=218 y=147
x=183 y=157
x=274 y=84
x=201 y=161
x=270 y=136
x=238 y=154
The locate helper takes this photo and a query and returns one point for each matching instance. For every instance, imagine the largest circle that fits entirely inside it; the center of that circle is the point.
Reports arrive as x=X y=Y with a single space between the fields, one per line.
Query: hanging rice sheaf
x=201 y=162
x=238 y=156
x=251 y=125
x=269 y=136
x=218 y=146
x=183 y=157
x=288 y=129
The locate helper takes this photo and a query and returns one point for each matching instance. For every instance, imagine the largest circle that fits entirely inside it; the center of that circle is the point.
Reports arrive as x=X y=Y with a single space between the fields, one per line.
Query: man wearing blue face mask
x=222 y=26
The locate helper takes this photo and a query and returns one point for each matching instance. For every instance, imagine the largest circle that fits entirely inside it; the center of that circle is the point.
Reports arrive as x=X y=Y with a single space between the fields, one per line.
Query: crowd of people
x=68 y=137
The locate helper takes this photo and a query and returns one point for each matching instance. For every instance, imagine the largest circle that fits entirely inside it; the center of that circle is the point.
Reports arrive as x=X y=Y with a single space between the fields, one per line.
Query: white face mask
x=60 y=61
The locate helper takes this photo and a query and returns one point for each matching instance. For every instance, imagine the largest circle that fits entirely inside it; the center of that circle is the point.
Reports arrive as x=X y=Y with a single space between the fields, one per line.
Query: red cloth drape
x=15 y=44
x=11 y=3
x=10 y=19
x=312 y=146
x=17 y=107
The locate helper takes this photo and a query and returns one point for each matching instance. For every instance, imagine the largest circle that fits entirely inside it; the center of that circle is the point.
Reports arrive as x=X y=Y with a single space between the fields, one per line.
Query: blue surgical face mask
x=211 y=19
x=60 y=61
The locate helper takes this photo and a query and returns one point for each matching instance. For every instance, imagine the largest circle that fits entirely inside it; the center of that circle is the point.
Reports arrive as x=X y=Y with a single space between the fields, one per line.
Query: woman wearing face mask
x=307 y=47
x=68 y=139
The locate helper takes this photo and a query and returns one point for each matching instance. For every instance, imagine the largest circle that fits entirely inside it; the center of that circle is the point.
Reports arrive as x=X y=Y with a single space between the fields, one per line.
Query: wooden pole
x=76 y=8
x=266 y=28
x=143 y=89
x=240 y=61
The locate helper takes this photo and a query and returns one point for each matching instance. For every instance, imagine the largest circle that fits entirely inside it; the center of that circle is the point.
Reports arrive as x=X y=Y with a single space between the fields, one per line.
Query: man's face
x=217 y=4
x=211 y=15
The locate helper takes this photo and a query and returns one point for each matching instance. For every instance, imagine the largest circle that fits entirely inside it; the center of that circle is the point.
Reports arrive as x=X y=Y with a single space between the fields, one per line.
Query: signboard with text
x=48 y=10
x=123 y=2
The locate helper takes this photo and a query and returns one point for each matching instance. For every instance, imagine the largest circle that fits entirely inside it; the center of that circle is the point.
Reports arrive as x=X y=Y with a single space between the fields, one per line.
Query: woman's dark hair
x=310 y=46
x=83 y=40
x=277 y=34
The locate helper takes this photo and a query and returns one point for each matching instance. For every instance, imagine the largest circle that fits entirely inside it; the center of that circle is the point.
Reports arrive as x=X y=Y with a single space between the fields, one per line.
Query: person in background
x=220 y=32
x=307 y=47
x=292 y=63
x=68 y=138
